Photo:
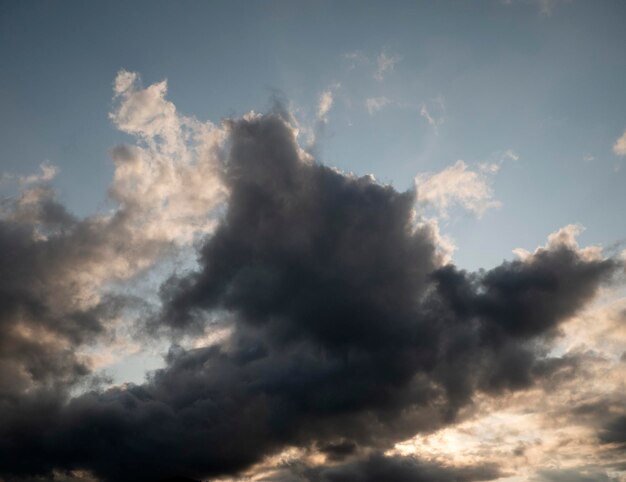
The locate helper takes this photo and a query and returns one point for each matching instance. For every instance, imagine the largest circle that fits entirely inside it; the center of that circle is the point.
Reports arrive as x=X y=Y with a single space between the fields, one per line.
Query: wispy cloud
x=510 y=154
x=385 y=63
x=47 y=172
x=313 y=129
x=435 y=116
x=324 y=105
x=457 y=185
x=588 y=157
x=374 y=104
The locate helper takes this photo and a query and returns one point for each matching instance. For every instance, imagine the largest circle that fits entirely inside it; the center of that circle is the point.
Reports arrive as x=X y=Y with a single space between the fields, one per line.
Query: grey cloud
x=615 y=431
x=348 y=334
x=592 y=474
x=400 y=469
x=339 y=450
x=51 y=268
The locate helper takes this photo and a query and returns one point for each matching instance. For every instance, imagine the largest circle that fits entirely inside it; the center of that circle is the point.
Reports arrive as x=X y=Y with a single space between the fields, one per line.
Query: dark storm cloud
x=592 y=474
x=377 y=467
x=614 y=432
x=348 y=333
x=339 y=450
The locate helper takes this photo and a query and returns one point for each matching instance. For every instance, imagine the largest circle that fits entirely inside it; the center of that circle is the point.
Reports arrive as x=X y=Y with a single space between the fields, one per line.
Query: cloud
x=444 y=244
x=48 y=172
x=56 y=301
x=329 y=341
x=614 y=432
x=374 y=104
x=399 y=469
x=426 y=115
x=509 y=154
x=565 y=236
x=435 y=121
x=457 y=185
x=385 y=64
x=619 y=148
x=592 y=474
x=324 y=105
x=562 y=417
x=342 y=330
x=52 y=265
x=169 y=182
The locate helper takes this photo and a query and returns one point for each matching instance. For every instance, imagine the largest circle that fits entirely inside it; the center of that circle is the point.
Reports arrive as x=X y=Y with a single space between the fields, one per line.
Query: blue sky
x=541 y=79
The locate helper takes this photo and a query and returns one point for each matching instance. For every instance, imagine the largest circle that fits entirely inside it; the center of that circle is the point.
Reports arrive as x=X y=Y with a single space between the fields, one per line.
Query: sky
x=313 y=241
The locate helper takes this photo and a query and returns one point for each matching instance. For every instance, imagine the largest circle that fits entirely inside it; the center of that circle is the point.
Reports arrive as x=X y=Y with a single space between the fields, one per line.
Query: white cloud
x=509 y=154
x=385 y=63
x=168 y=182
x=48 y=172
x=426 y=115
x=619 y=147
x=457 y=185
x=374 y=104
x=124 y=80
x=435 y=120
x=489 y=167
x=324 y=104
x=146 y=113
x=312 y=129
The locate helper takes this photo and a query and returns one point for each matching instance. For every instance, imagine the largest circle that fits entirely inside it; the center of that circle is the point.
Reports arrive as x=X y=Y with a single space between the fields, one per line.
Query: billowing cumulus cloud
x=325 y=314
x=169 y=181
